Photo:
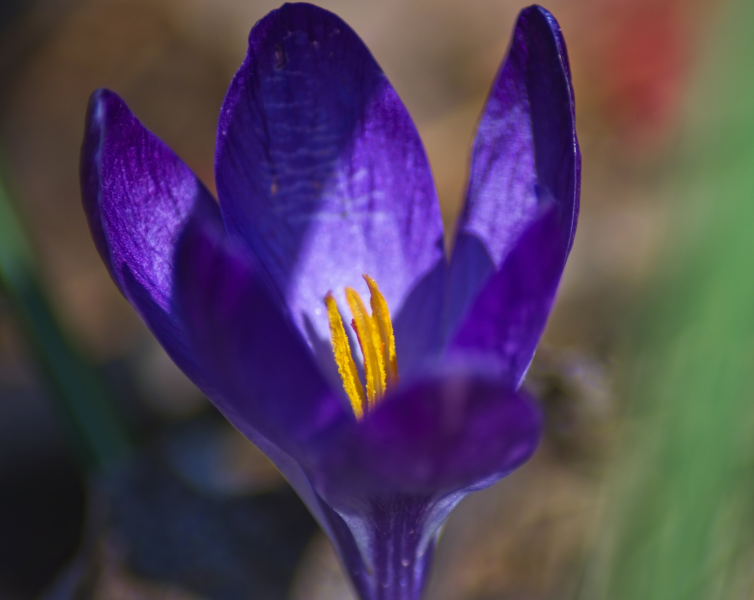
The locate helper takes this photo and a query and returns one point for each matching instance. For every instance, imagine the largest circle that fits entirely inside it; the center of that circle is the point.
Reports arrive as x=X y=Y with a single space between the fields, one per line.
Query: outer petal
x=138 y=195
x=265 y=376
x=433 y=438
x=525 y=155
x=321 y=171
x=509 y=315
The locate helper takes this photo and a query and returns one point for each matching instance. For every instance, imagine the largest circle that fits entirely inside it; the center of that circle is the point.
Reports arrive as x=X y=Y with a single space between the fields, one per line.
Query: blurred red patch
x=642 y=67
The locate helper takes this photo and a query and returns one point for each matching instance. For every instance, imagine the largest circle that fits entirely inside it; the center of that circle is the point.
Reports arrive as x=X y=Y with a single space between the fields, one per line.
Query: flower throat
x=377 y=342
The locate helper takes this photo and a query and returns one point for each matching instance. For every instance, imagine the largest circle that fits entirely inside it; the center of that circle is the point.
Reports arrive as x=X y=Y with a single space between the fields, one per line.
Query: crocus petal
x=265 y=375
x=321 y=171
x=396 y=475
x=509 y=315
x=137 y=195
x=525 y=155
x=432 y=438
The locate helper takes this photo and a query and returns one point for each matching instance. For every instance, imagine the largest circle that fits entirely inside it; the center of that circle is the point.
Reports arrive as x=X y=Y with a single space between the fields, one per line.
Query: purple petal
x=394 y=477
x=265 y=377
x=321 y=171
x=525 y=155
x=433 y=438
x=243 y=343
x=138 y=195
x=509 y=315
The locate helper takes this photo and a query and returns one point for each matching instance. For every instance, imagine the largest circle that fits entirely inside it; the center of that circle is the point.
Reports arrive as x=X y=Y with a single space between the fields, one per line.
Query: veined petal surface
x=321 y=171
x=138 y=195
x=525 y=163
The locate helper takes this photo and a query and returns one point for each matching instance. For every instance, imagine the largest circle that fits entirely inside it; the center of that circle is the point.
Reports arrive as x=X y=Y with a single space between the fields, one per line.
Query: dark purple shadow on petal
x=418 y=323
x=265 y=373
x=265 y=381
x=525 y=154
x=432 y=438
x=137 y=195
x=321 y=171
x=510 y=312
x=394 y=478
x=470 y=267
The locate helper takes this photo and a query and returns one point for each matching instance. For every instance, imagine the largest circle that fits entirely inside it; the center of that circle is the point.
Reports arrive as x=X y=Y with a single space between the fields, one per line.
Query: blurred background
x=118 y=480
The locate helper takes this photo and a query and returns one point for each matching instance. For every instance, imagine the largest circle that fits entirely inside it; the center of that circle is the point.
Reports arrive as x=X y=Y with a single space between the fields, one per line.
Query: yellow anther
x=377 y=342
x=369 y=340
x=344 y=359
x=381 y=317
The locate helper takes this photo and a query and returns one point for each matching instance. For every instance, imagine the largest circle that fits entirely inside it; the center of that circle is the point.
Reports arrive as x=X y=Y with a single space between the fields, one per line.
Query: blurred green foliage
x=679 y=513
x=94 y=428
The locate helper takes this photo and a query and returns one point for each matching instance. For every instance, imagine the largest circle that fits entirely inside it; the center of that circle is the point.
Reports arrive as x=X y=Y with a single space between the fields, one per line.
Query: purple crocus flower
x=322 y=179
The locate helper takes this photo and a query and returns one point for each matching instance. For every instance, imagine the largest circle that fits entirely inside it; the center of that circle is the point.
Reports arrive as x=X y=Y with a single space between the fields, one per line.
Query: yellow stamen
x=377 y=341
x=344 y=358
x=369 y=340
x=381 y=317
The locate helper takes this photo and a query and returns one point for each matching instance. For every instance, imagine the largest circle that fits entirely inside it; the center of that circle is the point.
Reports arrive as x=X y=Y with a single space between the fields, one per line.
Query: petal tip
x=103 y=105
x=90 y=165
x=537 y=20
x=537 y=9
